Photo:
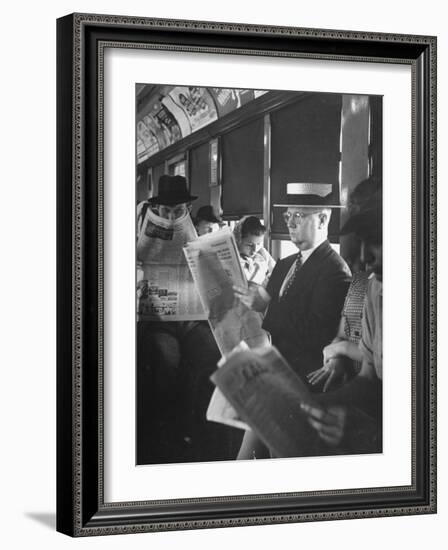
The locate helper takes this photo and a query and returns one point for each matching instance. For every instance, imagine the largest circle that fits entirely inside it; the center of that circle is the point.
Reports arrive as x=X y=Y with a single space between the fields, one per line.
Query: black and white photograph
x=258 y=273
x=232 y=311
x=246 y=233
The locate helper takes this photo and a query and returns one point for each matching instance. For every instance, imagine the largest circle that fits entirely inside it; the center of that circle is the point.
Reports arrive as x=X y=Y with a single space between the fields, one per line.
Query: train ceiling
x=166 y=114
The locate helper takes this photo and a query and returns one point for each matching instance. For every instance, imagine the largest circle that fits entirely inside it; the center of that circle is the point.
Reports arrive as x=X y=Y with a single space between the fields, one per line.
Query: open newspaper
x=166 y=291
x=267 y=394
x=214 y=263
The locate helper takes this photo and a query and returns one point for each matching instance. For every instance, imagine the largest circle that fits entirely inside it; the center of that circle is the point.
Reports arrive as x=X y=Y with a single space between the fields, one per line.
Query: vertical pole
x=267 y=180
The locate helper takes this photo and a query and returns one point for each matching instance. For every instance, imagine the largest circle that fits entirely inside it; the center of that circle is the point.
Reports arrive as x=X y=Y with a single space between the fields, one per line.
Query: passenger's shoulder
x=281 y=267
x=337 y=262
x=288 y=260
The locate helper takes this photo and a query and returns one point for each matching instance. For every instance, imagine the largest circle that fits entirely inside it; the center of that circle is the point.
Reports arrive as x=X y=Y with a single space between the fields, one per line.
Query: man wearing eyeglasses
x=306 y=291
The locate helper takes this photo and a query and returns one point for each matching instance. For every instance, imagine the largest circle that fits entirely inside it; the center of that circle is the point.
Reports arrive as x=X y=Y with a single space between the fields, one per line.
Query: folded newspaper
x=165 y=288
x=267 y=395
x=215 y=266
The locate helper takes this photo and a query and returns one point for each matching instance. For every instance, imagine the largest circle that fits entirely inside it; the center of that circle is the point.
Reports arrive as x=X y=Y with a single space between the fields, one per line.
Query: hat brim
x=313 y=200
x=171 y=201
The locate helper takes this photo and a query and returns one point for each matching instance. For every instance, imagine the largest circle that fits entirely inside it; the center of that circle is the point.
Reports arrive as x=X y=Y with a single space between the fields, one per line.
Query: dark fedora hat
x=313 y=195
x=367 y=222
x=172 y=190
x=207 y=214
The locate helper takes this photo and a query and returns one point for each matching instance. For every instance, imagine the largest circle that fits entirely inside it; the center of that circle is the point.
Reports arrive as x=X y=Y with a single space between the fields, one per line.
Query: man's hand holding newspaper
x=214 y=264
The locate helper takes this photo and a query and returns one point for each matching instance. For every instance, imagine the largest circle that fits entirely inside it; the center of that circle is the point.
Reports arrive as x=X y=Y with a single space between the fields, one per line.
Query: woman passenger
x=256 y=261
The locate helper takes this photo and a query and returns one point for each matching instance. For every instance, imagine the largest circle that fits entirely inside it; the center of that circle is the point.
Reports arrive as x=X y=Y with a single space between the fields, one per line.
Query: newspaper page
x=267 y=395
x=219 y=409
x=165 y=288
x=214 y=263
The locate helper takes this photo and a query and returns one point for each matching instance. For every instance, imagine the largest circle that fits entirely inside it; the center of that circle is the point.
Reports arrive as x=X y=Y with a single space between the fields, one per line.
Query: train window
x=177 y=167
x=156 y=171
x=284 y=248
x=199 y=175
x=242 y=170
x=144 y=185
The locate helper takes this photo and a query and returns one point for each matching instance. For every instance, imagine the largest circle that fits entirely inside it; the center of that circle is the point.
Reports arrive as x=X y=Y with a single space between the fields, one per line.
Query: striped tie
x=292 y=275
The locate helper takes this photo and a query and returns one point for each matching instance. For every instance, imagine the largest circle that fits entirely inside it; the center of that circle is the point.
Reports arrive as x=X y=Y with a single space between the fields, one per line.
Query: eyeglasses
x=296 y=217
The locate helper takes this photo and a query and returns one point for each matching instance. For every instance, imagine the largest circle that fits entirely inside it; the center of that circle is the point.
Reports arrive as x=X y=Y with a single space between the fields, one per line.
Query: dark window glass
x=242 y=170
x=199 y=175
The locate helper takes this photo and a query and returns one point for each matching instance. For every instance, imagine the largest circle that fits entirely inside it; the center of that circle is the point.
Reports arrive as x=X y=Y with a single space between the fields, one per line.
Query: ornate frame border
x=82 y=38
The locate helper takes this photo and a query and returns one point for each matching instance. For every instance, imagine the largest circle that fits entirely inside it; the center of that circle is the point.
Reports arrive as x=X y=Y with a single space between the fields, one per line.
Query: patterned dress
x=353 y=308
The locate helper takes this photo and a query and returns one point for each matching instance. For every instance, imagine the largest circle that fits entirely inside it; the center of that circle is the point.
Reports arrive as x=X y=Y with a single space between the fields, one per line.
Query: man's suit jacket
x=306 y=319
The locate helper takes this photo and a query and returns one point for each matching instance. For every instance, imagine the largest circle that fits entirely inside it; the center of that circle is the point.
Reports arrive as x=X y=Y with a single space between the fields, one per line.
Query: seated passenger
x=256 y=261
x=206 y=221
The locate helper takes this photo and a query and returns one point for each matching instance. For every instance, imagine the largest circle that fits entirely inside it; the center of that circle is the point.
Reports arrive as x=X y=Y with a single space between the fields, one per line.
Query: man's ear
x=189 y=206
x=324 y=218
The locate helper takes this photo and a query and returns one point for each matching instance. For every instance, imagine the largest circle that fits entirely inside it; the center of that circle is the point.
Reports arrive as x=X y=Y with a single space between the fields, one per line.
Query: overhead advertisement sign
x=147 y=143
x=176 y=112
x=196 y=103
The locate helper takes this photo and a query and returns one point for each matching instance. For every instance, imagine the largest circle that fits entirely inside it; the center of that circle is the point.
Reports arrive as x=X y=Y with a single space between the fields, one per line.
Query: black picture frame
x=81 y=510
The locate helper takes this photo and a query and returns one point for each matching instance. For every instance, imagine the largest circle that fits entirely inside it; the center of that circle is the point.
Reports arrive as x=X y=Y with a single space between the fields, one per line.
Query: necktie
x=292 y=275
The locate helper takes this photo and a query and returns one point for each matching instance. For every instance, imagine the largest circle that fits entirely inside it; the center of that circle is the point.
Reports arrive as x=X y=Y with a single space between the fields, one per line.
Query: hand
x=243 y=295
x=250 y=297
x=332 y=373
x=342 y=348
x=329 y=423
x=333 y=350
